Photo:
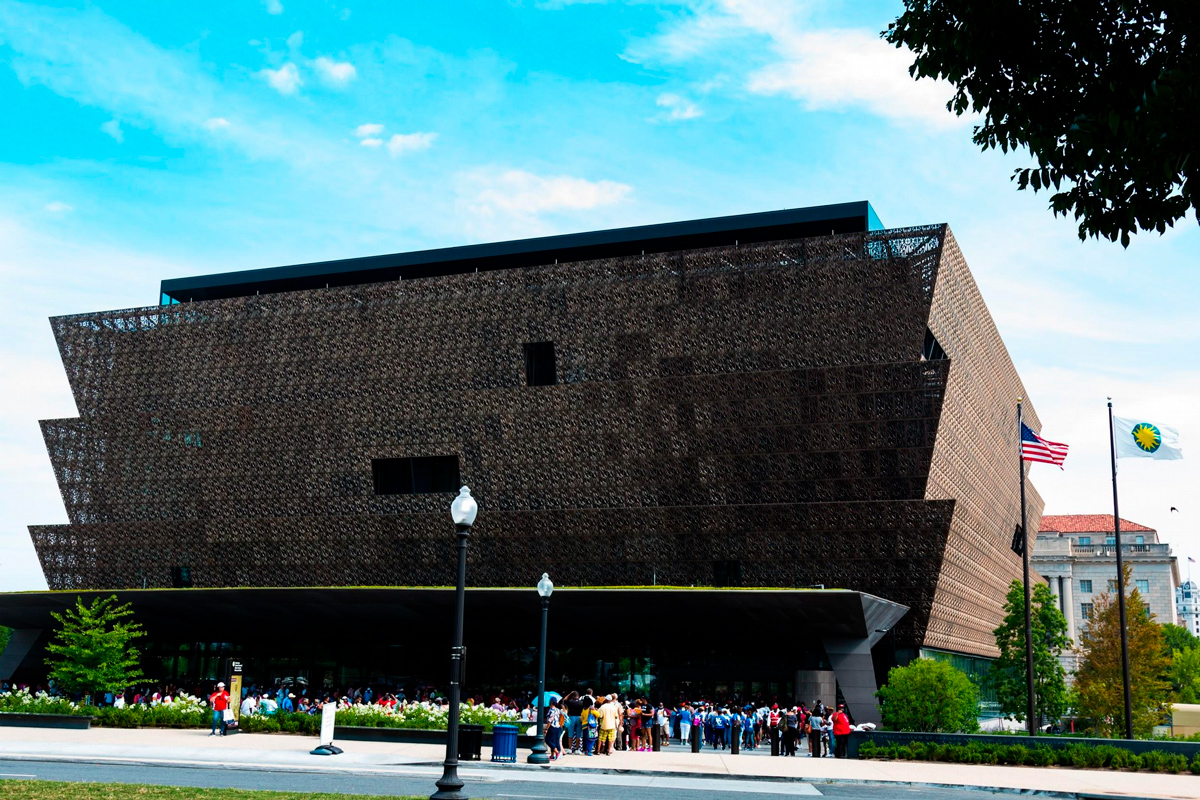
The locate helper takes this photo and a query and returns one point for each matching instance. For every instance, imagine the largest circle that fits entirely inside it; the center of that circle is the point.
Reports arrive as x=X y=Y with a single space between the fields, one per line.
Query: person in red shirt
x=841 y=731
x=219 y=700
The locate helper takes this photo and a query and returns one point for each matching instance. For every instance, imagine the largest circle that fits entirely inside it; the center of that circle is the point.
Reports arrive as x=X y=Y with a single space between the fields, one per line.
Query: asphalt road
x=501 y=786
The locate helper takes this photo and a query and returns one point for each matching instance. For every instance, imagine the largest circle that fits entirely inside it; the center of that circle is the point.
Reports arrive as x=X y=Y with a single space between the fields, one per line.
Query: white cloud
x=368 y=129
x=274 y=7
x=296 y=40
x=402 y=143
x=835 y=69
x=113 y=129
x=59 y=207
x=677 y=108
x=285 y=80
x=338 y=73
x=216 y=123
x=497 y=203
x=371 y=142
x=521 y=192
x=828 y=69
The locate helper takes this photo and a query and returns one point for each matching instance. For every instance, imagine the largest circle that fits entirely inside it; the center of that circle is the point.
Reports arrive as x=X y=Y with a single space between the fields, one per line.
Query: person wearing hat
x=219 y=700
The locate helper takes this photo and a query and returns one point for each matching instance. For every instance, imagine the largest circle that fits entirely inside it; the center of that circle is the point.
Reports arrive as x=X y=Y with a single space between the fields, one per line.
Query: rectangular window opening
x=1143 y=587
x=1085 y=541
x=727 y=573
x=416 y=475
x=1085 y=587
x=1086 y=608
x=181 y=577
x=540 y=367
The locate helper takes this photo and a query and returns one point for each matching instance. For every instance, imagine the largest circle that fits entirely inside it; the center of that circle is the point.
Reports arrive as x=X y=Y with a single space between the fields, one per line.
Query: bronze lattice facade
x=767 y=414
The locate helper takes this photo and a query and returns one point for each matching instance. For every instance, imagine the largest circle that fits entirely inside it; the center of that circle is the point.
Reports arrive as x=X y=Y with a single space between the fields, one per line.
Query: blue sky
x=142 y=141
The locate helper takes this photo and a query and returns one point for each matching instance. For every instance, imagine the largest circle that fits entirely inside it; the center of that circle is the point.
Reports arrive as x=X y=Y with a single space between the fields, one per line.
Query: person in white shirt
x=248 y=706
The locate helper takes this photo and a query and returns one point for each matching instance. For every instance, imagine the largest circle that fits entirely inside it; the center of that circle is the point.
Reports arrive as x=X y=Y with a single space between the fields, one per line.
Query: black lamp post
x=540 y=753
x=462 y=511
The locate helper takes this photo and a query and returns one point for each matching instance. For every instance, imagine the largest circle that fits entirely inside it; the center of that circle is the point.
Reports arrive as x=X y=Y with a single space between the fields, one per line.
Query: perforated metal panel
x=765 y=405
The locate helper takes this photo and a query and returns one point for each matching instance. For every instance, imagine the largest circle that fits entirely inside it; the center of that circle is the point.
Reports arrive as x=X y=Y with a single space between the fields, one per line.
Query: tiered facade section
x=758 y=415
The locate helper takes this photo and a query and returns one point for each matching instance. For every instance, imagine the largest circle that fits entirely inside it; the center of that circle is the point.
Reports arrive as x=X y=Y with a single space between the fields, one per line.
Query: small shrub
x=1174 y=763
x=1041 y=756
x=929 y=695
x=1196 y=765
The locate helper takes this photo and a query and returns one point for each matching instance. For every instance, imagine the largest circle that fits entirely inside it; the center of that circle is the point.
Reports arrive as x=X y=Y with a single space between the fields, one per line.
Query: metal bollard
x=774 y=740
x=695 y=738
x=655 y=738
x=735 y=737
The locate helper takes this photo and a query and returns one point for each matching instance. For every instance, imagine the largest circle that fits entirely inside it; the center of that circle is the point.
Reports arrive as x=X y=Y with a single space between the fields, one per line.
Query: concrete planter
x=1136 y=746
x=355 y=733
x=66 y=721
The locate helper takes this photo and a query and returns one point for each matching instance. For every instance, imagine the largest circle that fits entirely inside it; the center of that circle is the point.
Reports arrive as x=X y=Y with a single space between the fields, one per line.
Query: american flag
x=1035 y=448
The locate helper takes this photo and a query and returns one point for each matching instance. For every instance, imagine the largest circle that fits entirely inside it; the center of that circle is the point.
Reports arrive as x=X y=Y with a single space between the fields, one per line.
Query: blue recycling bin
x=504 y=743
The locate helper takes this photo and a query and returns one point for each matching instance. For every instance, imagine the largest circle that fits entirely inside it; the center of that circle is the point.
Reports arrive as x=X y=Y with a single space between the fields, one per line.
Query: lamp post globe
x=462 y=511
x=540 y=754
x=464 y=508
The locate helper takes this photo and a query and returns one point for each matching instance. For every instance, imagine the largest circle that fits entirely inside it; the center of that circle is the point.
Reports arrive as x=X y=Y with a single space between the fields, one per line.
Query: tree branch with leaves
x=1104 y=94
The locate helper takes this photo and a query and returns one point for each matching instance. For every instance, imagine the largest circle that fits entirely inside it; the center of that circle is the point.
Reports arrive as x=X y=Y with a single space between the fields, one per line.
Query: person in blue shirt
x=288 y=703
x=720 y=722
x=685 y=724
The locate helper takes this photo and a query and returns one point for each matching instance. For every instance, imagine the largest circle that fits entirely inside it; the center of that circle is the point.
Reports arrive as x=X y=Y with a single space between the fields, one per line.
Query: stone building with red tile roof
x=1076 y=555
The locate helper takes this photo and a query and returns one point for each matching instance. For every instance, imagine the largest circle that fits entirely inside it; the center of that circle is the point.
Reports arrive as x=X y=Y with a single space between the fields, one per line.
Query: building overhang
x=233 y=615
x=671 y=236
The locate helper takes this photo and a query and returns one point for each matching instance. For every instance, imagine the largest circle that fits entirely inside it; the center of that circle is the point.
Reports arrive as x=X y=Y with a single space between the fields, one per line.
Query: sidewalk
x=289 y=752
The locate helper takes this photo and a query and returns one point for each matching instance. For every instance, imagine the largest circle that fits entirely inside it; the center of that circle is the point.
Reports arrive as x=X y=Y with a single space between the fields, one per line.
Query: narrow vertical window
x=540 y=367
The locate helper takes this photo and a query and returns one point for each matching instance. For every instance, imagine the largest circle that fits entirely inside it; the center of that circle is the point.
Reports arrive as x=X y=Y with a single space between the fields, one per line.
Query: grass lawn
x=53 y=790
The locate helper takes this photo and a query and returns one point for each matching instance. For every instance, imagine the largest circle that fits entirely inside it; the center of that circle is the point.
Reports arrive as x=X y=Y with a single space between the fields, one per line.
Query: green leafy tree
x=1098 y=681
x=92 y=651
x=5 y=635
x=1184 y=675
x=930 y=696
x=1182 y=649
x=1177 y=637
x=1104 y=94
x=1050 y=638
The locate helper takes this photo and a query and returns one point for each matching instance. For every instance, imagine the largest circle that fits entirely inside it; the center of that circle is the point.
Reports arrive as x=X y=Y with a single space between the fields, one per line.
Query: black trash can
x=470 y=742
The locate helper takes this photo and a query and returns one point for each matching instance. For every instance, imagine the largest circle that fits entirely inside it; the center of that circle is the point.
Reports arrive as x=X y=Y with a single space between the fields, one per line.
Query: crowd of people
x=589 y=724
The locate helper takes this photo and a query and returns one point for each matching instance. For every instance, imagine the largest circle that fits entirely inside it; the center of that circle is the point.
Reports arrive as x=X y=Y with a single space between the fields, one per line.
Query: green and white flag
x=1139 y=438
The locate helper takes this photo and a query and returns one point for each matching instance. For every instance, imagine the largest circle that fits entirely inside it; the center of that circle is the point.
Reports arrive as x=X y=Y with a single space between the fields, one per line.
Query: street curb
x=392 y=769
x=817 y=781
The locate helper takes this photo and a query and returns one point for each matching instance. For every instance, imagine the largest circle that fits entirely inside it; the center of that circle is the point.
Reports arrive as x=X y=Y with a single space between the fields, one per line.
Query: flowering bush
x=421 y=716
x=191 y=712
x=184 y=711
x=22 y=702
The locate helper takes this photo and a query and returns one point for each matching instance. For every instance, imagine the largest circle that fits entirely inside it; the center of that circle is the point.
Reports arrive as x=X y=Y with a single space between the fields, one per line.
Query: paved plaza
x=703 y=771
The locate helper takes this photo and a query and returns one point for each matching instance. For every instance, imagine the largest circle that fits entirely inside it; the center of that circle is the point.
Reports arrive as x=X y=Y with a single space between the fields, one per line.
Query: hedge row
x=1074 y=755
x=180 y=716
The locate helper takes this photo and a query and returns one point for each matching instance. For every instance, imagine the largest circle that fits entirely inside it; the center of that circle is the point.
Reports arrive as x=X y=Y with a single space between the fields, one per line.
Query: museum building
x=771 y=453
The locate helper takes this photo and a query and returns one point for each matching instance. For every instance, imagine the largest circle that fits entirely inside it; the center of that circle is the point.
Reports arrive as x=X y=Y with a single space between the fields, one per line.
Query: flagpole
x=1031 y=723
x=1112 y=444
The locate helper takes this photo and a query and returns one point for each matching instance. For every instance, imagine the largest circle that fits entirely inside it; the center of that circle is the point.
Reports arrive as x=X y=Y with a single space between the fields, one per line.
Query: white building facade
x=1076 y=555
x=1187 y=601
